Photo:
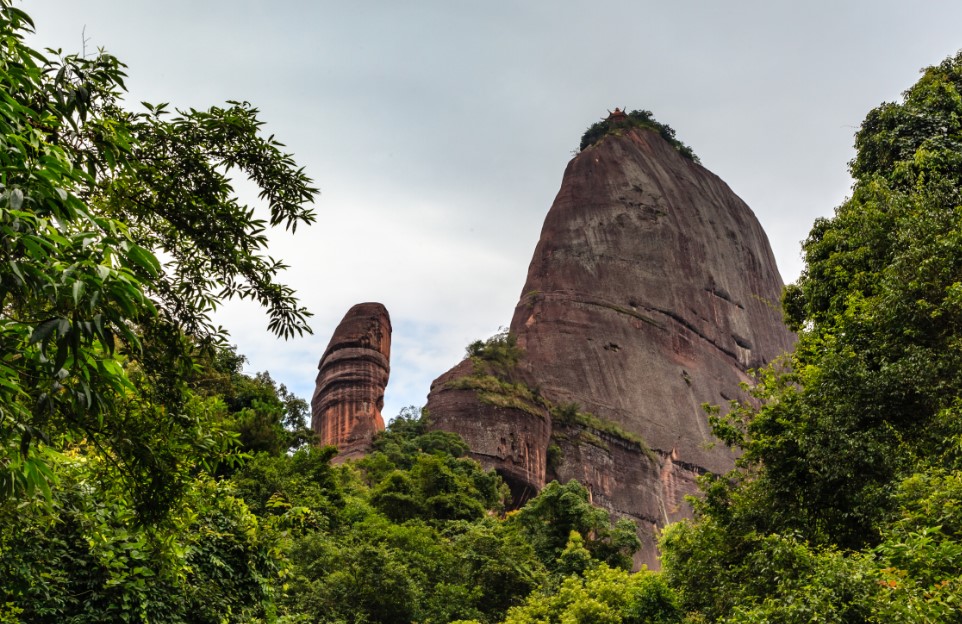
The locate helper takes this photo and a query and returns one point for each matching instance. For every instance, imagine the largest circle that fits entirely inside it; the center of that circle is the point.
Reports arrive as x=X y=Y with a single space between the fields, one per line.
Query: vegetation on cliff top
x=571 y=415
x=635 y=119
x=495 y=380
x=494 y=377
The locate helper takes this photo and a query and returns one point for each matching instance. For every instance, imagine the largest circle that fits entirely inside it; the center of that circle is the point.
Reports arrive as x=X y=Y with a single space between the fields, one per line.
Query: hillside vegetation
x=845 y=506
x=145 y=478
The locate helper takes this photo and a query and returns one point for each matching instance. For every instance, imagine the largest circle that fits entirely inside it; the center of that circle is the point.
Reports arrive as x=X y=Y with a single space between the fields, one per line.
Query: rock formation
x=353 y=372
x=652 y=291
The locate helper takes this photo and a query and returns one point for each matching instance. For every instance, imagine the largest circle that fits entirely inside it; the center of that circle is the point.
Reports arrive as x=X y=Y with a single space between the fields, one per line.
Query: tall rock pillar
x=352 y=375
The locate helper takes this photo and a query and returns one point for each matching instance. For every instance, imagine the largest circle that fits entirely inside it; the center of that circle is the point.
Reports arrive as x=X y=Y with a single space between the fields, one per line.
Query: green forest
x=144 y=477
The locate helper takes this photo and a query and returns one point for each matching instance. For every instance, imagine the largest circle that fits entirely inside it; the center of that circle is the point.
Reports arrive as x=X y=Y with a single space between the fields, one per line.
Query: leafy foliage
x=858 y=431
x=878 y=360
x=549 y=519
x=98 y=335
x=495 y=377
x=405 y=534
x=635 y=119
x=89 y=561
x=500 y=352
x=415 y=532
x=266 y=417
x=602 y=596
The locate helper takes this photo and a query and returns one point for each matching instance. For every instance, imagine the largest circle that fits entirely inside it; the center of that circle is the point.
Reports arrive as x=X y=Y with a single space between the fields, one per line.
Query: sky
x=438 y=132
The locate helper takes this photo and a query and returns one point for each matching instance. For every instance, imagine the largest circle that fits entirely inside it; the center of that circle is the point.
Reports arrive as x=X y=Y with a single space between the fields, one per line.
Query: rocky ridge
x=652 y=291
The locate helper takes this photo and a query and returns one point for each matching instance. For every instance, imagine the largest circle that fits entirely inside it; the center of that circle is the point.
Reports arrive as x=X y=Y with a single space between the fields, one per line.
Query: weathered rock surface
x=511 y=438
x=353 y=372
x=652 y=291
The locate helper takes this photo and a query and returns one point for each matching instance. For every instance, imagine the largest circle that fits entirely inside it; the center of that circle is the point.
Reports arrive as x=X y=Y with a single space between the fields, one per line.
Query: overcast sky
x=438 y=132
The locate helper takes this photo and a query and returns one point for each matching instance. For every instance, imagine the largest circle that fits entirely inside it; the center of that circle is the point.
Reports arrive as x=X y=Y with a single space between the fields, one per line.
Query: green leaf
x=35 y=470
x=44 y=330
x=144 y=259
x=15 y=267
x=77 y=291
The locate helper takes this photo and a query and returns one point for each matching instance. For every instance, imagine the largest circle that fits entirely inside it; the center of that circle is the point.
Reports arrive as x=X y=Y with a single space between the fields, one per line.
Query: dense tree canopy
x=415 y=532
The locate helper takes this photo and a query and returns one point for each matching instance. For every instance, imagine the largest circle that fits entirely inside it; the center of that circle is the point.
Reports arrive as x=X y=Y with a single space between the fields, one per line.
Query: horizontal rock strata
x=352 y=375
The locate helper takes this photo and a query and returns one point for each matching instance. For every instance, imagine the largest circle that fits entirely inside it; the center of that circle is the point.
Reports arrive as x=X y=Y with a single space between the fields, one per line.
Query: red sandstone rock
x=353 y=372
x=652 y=291
x=510 y=439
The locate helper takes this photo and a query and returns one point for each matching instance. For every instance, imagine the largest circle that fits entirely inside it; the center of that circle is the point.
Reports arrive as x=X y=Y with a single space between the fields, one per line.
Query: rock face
x=353 y=372
x=510 y=435
x=652 y=291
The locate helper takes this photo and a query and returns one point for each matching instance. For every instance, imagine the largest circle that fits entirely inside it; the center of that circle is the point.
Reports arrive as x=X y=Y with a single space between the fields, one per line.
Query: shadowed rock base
x=353 y=372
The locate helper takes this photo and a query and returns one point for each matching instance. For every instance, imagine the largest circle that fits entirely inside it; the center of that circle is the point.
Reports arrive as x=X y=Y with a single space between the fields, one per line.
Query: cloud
x=438 y=131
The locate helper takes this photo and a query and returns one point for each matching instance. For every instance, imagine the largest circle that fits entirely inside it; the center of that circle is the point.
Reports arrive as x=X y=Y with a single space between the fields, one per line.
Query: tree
x=603 y=596
x=879 y=311
x=416 y=473
x=548 y=520
x=866 y=408
x=413 y=517
x=97 y=334
x=265 y=416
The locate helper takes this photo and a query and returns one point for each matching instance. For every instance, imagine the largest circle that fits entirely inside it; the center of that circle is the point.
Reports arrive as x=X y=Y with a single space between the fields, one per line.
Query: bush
x=636 y=119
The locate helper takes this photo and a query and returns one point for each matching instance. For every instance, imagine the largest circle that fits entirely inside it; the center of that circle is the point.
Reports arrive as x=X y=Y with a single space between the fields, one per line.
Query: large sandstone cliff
x=652 y=291
x=352 y=375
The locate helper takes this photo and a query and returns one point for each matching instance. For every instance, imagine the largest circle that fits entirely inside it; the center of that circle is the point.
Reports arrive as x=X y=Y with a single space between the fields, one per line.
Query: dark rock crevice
x=695 y=330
